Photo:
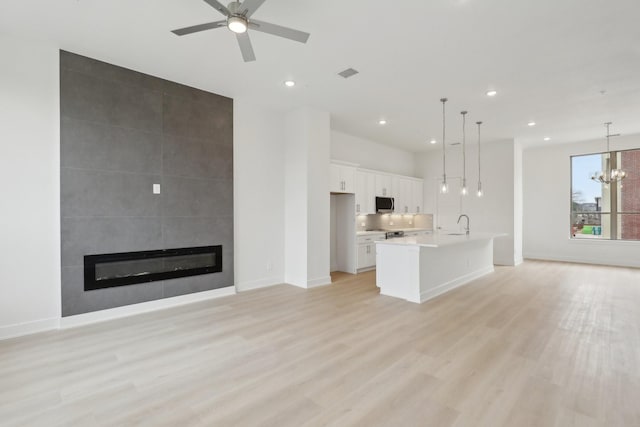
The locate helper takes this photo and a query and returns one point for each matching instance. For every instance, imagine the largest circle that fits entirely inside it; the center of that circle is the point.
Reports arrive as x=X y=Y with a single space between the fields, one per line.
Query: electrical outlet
x=269 y=266
x=156 y=188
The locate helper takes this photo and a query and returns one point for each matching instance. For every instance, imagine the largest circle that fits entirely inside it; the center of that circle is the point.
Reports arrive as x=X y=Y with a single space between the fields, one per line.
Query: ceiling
x=568 y=65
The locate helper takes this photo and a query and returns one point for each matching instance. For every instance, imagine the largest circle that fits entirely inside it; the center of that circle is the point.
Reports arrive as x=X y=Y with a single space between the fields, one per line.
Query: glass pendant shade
x=464 y=190
x=444 y=188
x=480 y=193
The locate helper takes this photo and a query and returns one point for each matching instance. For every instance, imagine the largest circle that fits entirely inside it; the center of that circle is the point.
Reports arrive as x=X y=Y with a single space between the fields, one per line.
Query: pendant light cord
x=464 y=147
x=444 y=155
x=479 y=176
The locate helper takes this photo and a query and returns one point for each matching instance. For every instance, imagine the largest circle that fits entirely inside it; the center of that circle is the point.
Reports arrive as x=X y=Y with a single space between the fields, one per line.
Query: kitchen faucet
x=467 y=227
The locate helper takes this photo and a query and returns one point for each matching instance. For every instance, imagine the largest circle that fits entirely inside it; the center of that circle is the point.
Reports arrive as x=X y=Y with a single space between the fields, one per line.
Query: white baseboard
x=143 y=307
x=320 y=281
x=576 y=260
x=28 y=328
x=460 y=281
x=256 y=284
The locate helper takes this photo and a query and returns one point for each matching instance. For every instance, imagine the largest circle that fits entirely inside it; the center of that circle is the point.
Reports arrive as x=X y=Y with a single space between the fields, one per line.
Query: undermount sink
x=456 y=234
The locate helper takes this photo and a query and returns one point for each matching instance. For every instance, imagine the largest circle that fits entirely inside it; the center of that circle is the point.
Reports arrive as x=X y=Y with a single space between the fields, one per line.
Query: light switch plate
x=156 y=188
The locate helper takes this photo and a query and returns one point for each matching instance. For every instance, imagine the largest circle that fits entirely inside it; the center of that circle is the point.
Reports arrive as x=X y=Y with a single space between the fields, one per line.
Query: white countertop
x=440 y=239
x=406 y=230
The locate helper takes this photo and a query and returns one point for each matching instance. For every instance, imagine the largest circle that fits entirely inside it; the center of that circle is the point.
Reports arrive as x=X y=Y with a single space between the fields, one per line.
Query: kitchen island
x=420 y=268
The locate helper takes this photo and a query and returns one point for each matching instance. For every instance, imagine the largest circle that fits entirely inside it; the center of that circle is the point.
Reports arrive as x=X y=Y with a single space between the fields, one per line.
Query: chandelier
x=611 y=174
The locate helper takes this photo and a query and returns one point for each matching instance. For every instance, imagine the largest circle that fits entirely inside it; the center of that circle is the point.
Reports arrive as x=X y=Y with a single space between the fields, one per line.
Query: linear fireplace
x=127 y=268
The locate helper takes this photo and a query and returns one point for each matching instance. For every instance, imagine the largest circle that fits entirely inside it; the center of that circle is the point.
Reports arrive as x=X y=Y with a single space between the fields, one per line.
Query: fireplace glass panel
x=108 y=270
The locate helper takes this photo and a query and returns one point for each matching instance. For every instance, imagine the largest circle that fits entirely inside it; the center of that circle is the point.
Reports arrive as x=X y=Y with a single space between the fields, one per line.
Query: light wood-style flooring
x=544 y=344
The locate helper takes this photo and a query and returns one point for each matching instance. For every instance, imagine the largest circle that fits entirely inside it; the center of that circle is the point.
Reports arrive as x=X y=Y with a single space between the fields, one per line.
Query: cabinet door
x=365 y=193
x=363 y=256
x=383 y=185
x=418 y=196
x=342 y=179
x=361 y=193
x=335 y=180
x=403 y=196
x=348 y=175
x=371 y=255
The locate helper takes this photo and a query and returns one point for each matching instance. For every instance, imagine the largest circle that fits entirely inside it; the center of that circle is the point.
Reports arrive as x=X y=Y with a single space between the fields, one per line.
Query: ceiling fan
x=238 y=21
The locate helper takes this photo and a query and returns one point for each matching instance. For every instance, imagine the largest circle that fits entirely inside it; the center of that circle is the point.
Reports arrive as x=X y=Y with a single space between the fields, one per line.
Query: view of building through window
x=605 y=211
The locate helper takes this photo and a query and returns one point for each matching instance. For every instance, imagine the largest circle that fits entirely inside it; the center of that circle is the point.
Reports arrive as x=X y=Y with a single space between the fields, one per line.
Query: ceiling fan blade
x=218 y=6
x=250 y=6
x=277 y=30
x=198 y=28
x=245 y=47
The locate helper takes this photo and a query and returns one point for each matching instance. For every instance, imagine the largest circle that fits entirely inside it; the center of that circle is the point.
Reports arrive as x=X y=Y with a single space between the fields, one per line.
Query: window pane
x=591 y=226
x=587 y=194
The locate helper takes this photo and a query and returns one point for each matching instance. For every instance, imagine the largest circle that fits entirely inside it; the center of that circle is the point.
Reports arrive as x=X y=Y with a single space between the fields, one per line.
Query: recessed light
x=531 y=124
x=546 y=138
x=382 y=122
x=492 y=93
x=433 y=141
x=289 y=83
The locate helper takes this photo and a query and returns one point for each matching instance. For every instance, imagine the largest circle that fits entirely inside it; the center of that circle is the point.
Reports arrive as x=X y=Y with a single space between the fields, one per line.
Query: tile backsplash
x=393 y=221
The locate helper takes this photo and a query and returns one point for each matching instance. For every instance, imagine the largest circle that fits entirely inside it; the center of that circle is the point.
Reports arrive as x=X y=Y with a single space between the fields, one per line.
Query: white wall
x=372 y=155
x=258 y=168
x=546 y=189
x=30 y=180
x=495 y=211
x=307 y=206
x=295 y=205
x=318 y=225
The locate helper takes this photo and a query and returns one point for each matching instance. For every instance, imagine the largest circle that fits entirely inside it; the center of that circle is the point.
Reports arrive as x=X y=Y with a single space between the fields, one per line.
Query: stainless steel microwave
x=385 y=205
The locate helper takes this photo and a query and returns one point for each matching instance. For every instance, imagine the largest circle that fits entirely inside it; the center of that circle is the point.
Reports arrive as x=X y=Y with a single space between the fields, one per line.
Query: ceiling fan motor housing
x=237 y=21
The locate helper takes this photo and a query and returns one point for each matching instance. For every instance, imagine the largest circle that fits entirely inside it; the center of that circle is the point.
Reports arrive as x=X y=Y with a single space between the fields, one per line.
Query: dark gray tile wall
x=121 y=132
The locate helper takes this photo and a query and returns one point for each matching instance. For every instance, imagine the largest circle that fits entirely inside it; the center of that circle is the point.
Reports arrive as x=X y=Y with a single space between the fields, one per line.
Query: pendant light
x=464 y=191
x=480 y=193
x=444 y=188
x=610 y=175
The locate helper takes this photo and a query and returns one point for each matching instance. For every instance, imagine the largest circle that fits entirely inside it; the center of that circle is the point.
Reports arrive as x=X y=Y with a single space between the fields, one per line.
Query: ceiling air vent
x=349 y=72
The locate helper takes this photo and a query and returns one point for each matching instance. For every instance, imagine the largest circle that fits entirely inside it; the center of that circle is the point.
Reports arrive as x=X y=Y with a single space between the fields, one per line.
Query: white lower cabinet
x=366 y=250
x=366 y=255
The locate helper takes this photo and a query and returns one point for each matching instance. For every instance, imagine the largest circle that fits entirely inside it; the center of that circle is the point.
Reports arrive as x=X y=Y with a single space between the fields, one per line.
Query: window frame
x=613 y=197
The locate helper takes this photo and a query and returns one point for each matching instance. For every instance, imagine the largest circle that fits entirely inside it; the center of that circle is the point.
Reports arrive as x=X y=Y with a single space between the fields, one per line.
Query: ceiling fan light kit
x=238 y=21
x=237 y=24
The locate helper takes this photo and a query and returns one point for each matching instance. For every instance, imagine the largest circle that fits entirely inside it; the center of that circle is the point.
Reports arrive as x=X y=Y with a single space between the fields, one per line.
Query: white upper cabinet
x=418 y=196
x=384 y=184
x=365 y=193
x=368 y=184
x=342 y=178
x=404 y=196
x=408 y=194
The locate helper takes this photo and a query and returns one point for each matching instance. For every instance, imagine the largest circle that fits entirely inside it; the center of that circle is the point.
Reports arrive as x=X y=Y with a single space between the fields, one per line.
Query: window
x=605 y=211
